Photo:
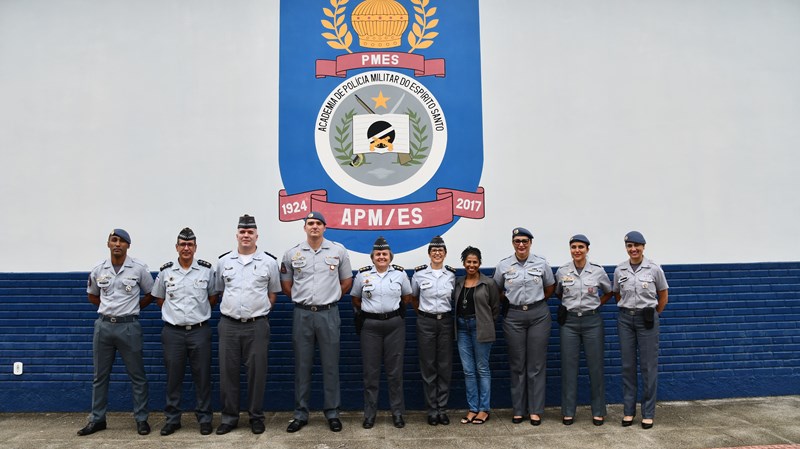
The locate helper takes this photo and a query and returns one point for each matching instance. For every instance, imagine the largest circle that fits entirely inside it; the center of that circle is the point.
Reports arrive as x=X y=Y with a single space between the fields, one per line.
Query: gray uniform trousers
x=180 y=344
x=588 y=330
x=633 y=335
x=321 y=327
x=383 y=339
x=527 y=333
x=238 y=342
x=435 y=338
x=126 y=338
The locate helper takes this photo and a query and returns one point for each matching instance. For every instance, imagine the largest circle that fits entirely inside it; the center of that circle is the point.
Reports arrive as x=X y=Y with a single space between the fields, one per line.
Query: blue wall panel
x=730 y=330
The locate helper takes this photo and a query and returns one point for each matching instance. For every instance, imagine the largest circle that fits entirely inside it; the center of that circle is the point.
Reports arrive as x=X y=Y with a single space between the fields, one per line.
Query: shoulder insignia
x=398 y=267
x=421 y=267
x=363 y=269
x=270 y=255
x=224 y=254
x=597 y=265
x=165 y=266
x=450 y=269
x=203 y=263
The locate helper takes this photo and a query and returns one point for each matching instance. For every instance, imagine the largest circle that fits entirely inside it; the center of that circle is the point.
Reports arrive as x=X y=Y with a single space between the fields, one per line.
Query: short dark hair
x=471 y=251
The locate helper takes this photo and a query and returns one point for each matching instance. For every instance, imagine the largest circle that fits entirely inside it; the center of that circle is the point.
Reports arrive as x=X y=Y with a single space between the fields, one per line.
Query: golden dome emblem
x=379 y=23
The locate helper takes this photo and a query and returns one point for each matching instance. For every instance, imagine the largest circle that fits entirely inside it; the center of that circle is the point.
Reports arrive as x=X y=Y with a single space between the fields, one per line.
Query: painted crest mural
x=380 y=117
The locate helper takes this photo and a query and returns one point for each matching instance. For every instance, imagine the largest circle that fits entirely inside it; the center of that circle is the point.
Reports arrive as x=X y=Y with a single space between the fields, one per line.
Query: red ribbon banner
x=390 y=59
x=449 y=203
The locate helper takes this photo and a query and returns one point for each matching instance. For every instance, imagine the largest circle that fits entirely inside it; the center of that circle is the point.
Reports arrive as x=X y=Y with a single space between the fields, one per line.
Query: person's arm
x=286 y=286
x=345 y=284
x=604 y=299
x=159 y=301
x=145 y=301
x=94 y=299
x=663 y=298
x=272 y=296
x=213 y=299
x=548 y=291
x=356 y=302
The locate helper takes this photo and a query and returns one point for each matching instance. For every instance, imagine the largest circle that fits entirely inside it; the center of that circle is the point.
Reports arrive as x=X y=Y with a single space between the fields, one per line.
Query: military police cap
x=121 y=233
x=635 y=237
x=247 y=222
x=316 y=216
x=380 y=244
x=579 y=238
x=186 y=234
x=517 y=232
x=437 y=242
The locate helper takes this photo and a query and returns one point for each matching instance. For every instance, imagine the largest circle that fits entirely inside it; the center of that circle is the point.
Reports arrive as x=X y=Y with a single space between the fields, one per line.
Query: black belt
x=119 y=319
x=244 y=320
x=297 y=305
x=586 y=313
x=381 y=316
x=187 y=327
x=525 y=306
x=628 y=311
x=436 y=316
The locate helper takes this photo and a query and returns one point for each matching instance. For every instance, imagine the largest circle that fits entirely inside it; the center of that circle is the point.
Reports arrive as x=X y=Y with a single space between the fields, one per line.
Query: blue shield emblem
x=380 y=118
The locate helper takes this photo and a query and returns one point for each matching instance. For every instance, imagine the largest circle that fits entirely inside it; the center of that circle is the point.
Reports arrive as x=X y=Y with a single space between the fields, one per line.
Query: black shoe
x=536 y=422
x=296 y=425
x=142 y=427
x=517 y=419
x=567 y=421
x=368 y=423
x=398 y=421
x=598 y=421
x=433 y=420
x=225 y=428
x=647 y=425
x=626 y=423
x=443 y=419
x=257 y=426
x=92 y=427
x=335 y=425
x=205 y=428
x=170 y=428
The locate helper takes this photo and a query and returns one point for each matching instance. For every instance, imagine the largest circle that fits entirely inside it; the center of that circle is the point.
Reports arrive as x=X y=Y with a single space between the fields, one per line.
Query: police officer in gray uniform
x=642 y=293
x=184 y=290
x=377 y=294
x=114 y=286
x=526 y=281
x=249 y=282
x=431 y=289
x=315 y=274
x=578 y=285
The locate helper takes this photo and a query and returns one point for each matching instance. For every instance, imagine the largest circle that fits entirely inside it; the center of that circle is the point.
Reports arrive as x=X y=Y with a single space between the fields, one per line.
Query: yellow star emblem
x=380 y=100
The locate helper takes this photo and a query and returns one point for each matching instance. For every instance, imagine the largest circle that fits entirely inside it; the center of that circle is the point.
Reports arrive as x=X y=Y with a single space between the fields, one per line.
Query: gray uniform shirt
x=581 y=292
x=247 y=286
x=119 y=292
x=185 y=293
x=380 y=293
x=639 y=289
x=315 y=275
x=524 y=282
x=434 y=292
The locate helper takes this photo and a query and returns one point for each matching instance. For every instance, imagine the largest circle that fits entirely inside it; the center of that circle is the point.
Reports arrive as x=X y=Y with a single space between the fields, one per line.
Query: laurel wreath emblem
x=345 y=148
x=418 y=149
x=343 y=38
x=420 y=36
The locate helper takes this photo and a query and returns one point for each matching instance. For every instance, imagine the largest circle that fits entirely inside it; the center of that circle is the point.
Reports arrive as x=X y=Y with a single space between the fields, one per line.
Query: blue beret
x=579 y=238
x=635 y=237
x=121 y=233
x=316 y=216
x=521 y=231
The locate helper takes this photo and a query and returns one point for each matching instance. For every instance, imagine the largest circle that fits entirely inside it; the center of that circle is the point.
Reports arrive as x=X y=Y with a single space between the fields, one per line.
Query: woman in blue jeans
x=477 y=304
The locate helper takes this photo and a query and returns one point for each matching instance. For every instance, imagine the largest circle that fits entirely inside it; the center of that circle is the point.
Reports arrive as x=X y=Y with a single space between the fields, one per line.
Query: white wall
x=676 y=118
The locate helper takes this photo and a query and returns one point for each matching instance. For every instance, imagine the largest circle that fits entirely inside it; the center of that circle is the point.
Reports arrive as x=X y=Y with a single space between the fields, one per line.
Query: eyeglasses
x=187 y=244
x=437 y=250
x=521 y=241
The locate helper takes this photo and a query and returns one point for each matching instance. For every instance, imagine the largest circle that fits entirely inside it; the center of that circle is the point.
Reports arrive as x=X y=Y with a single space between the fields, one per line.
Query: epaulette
x=203 y=263
x=421 y=267
x=450 y=269
x=597 y=265
x=165 y=266
x=224 y=254
x=270 y=255
x=363 y=269
x=398 y=268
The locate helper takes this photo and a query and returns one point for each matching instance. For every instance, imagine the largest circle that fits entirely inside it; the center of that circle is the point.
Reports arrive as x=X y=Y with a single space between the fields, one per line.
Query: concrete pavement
x=706 y=424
